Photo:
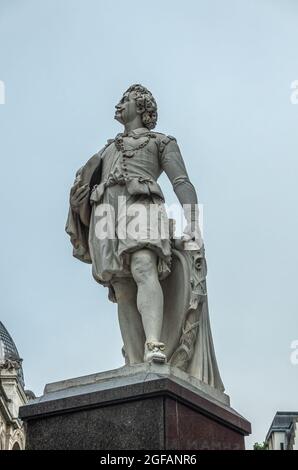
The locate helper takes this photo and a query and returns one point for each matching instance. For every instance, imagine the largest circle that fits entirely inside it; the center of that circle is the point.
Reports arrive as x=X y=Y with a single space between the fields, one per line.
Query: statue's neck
x=135 y=124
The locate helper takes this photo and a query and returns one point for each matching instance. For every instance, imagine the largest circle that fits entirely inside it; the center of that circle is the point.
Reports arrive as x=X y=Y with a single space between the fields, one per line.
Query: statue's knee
x=143 y=265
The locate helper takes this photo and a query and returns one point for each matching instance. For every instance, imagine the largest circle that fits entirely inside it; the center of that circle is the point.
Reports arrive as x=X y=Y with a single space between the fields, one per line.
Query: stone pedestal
x=149 y=407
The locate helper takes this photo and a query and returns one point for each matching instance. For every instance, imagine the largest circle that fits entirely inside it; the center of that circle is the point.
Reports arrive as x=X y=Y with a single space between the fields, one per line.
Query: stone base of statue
x=145 y=406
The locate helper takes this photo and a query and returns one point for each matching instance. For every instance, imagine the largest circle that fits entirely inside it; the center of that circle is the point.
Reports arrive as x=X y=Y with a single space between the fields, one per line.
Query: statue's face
x=126 y=109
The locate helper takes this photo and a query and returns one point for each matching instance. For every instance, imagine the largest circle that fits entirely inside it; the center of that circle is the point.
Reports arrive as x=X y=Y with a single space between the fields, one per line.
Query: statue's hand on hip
x=78 y=195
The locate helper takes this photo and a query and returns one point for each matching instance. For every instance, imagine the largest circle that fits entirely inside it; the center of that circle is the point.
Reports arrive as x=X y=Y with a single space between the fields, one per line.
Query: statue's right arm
x=79 y=201
x=80 y=191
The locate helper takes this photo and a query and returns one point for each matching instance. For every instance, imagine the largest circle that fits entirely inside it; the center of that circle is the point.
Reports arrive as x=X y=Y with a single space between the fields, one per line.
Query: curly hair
x=146 y=105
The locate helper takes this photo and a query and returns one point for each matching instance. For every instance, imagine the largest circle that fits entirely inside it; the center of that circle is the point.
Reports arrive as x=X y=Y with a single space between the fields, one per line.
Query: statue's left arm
x=173 y=165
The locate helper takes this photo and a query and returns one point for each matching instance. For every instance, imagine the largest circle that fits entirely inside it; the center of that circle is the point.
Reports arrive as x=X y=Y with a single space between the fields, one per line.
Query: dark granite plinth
x=143 y=410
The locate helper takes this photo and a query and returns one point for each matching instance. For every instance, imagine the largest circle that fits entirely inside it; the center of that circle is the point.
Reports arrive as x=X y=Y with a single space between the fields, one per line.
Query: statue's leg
x=130 y=321
x=149 y=301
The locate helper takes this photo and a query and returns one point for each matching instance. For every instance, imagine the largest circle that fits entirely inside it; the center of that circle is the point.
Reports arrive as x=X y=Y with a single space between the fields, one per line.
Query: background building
x=12 y=394
x=283 y=432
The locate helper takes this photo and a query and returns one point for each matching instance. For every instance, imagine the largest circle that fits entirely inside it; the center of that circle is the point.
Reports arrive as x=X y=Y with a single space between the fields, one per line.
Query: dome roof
x=8 y=350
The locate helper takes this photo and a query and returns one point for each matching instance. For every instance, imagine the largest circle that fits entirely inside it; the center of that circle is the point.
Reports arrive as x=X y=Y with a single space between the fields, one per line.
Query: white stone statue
x=118 y=223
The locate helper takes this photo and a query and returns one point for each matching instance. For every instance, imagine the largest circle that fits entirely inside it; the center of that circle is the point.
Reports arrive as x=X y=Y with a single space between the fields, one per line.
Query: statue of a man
x=123 y=176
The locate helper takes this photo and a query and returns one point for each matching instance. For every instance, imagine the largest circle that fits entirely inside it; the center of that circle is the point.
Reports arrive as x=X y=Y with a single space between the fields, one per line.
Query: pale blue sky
x=221 y=73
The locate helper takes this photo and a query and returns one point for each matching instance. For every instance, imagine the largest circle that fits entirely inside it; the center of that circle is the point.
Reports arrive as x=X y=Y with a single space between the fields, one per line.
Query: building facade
x=283 y=432
x=12 y=394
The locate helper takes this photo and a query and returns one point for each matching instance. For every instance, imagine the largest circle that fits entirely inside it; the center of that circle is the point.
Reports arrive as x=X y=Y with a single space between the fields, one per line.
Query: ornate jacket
x=137 y=160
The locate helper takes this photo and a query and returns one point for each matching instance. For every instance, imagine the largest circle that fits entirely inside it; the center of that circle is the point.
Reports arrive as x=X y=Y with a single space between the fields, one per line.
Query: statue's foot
x=153 y=352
